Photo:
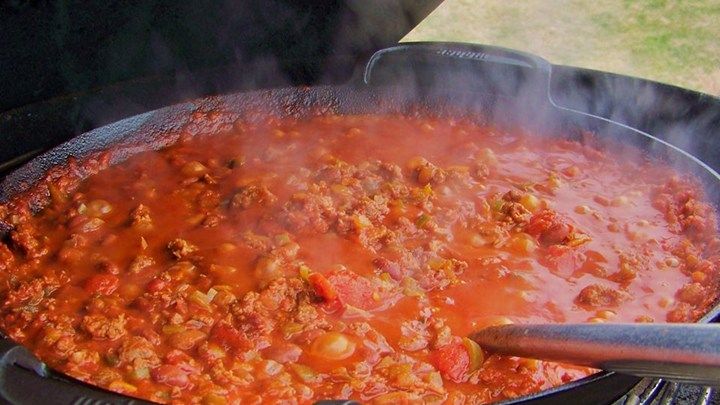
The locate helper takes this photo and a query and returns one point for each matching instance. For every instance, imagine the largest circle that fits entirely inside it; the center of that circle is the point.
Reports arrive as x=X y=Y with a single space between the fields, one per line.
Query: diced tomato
x=353 y=289
x=225 y=335
x=183 y=360
x=104 y=284
x=171 y=375
x=322 y=287
x=452 y=360
x=548 y=227
x=177 y=357
x=560 y=260
x=155 y=285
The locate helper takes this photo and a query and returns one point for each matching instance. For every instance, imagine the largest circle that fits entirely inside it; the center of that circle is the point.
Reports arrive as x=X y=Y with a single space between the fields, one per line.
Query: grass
x=671 y=41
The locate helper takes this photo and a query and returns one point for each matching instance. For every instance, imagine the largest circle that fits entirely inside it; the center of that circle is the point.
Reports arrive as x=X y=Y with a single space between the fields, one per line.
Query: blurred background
x=671 y=41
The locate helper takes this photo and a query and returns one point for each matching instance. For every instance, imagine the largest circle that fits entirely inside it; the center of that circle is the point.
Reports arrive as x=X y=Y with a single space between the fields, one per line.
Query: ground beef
x=6 y=257
x=102 y=327
x=140 y=262
x=140 y=218
x=599 y=296
x=311 y=213
x=138 y=352
x=180 y=248
x=693 y=294
x=415 y=336
x=678 y=200
x=24 y=239
x=252 y=194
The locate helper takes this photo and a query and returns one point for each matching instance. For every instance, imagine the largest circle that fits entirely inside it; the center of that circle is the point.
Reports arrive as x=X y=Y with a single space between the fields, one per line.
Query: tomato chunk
x=322 y=287
x=353 y=289
x=225 y=335
x=452 y=360
x=548 y=227
x=104 y=284
x=171 y=375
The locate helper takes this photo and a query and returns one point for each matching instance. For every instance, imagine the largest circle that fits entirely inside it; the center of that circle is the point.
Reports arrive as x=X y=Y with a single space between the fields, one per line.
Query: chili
x=347 y=257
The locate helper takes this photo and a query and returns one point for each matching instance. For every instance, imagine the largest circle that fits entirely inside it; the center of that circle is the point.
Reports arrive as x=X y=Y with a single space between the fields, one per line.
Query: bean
x=582 y=209
x=477 y=358
x=522 y=244
x=698 y=276
x=619 y=201
x=187 y=339
x=333 y=346
x=214 y=399
x=98 y=208
x=530 y=202
x=194 y=169
x=606 y=314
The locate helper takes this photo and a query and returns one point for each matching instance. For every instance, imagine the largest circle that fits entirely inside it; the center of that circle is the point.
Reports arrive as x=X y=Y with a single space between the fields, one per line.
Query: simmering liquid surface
x=348 y=257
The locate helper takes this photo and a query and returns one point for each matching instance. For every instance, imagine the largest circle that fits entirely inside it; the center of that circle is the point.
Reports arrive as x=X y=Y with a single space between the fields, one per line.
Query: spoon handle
x=687 y=353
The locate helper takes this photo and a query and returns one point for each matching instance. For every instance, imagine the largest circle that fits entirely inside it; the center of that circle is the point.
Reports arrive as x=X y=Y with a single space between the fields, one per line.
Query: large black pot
x=504 y=87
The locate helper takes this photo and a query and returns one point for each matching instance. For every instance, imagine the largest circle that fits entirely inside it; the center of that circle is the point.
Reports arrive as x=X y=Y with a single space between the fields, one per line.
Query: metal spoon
x=688 y=353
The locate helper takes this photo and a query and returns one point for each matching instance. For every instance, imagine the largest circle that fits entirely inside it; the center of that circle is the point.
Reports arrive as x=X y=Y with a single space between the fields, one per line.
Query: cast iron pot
x=506 y=88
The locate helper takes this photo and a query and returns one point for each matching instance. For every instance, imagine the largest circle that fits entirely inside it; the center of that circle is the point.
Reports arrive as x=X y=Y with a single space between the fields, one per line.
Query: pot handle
x=26 y=380
x=453 y=53
x=458 y=50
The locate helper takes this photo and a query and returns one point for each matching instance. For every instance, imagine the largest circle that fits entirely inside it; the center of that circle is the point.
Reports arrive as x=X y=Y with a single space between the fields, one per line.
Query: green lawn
x=671 y=41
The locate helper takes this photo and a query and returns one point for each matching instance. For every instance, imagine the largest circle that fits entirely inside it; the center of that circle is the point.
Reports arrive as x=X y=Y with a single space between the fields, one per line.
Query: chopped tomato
x=452 y=360
x=353 y=289
x=560 y=259
x=225 y=335
x=156 y=285
x=322 y=287
x=171 y=375
x=104 y=284
x=548 y=227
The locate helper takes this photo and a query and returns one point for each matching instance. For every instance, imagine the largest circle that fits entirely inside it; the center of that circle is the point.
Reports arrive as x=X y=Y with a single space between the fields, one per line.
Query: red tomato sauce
x=348 y=257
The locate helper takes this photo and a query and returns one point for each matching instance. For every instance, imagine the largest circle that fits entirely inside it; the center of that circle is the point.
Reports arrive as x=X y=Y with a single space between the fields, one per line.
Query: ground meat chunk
x=426 y=172
x=597 y=296
x=678 y=200
x=58 y=335
x=415 y=336
x=31 y=293
x=252 y=194
x=181 y=248
x=309 y=317
x=257 y=314
x=442 y=335
x=140 y=218
x=237 y=376
x=84 y=362
x=693 y=294
x=208 y=200
x=138 y=352
x=440 y=273
x=310 y=213
x=257 y=242
x=282 y=295
x=516 y=212
x=6 y=257
x=23 y=238
x=102 y=327
x=683 y=312
x=141 y=262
